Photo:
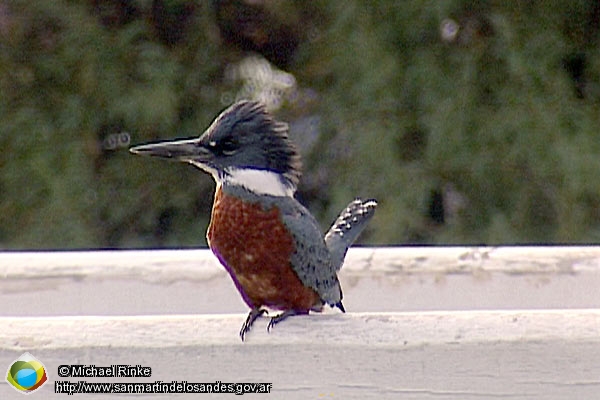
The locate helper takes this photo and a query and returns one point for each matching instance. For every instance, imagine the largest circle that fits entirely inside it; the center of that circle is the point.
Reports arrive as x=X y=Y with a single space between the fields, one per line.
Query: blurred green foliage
x=470 y=122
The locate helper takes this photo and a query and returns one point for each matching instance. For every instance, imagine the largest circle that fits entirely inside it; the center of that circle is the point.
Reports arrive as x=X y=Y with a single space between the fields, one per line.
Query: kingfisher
x=269 y=243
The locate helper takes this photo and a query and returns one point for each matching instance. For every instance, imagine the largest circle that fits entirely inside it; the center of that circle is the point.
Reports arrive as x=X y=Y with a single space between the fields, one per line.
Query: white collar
x=258 y=181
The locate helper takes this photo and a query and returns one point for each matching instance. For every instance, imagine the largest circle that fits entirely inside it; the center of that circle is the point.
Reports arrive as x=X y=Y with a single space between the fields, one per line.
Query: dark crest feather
x=245 y=117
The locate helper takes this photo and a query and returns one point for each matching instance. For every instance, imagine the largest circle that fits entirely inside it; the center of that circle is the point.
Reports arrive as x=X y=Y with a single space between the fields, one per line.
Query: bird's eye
x=227 y=146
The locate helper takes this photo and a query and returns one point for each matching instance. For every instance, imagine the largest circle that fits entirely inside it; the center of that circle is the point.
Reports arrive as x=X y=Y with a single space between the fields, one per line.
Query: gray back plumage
x=312 y=260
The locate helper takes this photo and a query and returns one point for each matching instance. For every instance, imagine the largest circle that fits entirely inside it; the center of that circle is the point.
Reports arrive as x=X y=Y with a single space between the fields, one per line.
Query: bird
x=269 y=243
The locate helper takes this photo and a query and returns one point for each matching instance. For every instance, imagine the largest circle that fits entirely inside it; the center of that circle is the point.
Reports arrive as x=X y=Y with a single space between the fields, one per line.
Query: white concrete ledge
x=373 y=280
x=393 y=330
x=423 y=323
x=168 y=266
x=542 y=354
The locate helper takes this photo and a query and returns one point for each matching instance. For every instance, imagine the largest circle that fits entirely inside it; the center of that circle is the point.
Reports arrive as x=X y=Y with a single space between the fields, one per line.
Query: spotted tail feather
x=347 y=227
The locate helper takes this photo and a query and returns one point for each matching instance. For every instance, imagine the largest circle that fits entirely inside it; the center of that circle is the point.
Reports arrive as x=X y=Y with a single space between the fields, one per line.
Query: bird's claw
x=273 y=321
x=278 y=318
x=252 y=316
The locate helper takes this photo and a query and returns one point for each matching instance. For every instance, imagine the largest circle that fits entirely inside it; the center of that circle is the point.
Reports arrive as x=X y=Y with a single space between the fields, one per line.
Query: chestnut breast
x=255 y=247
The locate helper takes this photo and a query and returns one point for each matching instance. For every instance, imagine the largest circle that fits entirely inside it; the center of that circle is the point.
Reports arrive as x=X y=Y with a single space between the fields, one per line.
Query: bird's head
x=244 y=145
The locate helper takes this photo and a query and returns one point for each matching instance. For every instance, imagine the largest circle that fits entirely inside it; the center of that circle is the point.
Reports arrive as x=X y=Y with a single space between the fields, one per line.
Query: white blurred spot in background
x=449 y=29
x=116 y=140
x=260 y=81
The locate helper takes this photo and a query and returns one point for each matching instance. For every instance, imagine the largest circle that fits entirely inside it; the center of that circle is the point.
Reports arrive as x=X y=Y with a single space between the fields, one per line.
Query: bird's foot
x=278 y=318
x=252 y=316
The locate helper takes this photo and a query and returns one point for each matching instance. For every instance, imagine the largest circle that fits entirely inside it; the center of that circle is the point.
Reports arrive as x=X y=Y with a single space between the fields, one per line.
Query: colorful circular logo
x=26 y=374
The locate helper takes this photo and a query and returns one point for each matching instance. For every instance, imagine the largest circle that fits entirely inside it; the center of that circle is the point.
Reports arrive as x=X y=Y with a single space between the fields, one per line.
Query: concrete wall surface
x=422 y=323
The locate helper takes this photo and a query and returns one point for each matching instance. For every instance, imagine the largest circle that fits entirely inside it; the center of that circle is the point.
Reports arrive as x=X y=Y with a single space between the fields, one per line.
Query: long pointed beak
x=186 y=150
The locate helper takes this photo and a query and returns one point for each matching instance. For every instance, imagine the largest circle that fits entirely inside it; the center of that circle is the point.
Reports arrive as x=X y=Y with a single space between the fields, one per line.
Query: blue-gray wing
x=311 y=259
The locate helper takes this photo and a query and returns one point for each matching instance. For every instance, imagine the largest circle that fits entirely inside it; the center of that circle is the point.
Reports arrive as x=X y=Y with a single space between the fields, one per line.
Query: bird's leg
x=287 y=313
x=252 y=315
